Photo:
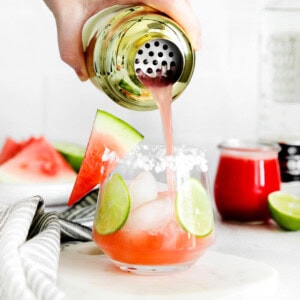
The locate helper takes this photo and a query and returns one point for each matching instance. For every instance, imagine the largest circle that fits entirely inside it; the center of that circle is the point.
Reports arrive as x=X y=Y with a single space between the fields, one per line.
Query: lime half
x=114 y=206
x=285 y=210
x=72 y=153
x=193 y=208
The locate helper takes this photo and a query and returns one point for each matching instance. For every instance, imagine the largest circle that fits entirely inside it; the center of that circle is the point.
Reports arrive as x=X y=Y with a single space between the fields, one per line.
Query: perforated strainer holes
x=157 y=58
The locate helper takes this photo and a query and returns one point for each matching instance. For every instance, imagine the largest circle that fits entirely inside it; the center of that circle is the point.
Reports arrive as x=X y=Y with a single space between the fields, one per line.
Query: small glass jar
x=112 y=40
x=247 y=173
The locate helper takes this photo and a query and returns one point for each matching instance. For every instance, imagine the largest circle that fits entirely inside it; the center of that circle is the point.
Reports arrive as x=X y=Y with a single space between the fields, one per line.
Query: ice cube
x=142 y=189
x=152 y=216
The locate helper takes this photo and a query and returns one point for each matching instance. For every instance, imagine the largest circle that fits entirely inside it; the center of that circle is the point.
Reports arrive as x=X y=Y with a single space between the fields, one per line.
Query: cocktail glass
x=154 y=212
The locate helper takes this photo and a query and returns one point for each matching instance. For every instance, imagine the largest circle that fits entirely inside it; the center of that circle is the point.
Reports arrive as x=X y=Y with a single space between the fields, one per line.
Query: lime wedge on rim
x=193 y=208
x=285 y=210
x=114 y=205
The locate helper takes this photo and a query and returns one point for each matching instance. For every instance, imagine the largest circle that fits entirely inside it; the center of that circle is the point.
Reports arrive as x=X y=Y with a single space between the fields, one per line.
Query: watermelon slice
x=37 y=162
x=12 y=147
x=110 y=137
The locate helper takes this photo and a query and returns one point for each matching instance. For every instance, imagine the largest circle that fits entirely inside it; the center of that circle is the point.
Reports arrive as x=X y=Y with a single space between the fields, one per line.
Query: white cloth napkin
x=28 y=265
x=30 y=241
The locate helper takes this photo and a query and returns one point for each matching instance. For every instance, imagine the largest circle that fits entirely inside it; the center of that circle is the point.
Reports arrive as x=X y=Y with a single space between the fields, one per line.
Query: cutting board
x=86 y=273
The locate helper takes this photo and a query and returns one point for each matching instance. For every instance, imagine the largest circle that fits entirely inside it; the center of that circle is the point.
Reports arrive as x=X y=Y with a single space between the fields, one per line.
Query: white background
x=39 y=94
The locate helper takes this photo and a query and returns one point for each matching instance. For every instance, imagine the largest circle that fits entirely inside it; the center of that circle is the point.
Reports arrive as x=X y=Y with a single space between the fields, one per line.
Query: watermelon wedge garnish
x=110 y=138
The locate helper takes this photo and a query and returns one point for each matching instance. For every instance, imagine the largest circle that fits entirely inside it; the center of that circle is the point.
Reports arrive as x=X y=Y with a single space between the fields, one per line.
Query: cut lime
x=285 y=210
x=193 y=208
x=114 y=206
x=72 y=153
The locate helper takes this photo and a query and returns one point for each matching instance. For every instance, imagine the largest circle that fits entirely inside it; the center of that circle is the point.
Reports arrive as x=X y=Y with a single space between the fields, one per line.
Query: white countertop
x=264 y=244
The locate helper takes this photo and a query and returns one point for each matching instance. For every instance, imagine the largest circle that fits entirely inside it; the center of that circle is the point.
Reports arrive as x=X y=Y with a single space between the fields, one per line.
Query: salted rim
x=153 y=157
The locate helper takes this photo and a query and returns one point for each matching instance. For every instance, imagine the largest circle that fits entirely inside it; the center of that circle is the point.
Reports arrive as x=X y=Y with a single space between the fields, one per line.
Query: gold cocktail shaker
x=122 y=41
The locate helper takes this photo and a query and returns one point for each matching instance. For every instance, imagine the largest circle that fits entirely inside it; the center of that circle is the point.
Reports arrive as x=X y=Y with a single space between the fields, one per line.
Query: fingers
x=182 y=12
x=179 y=10
x=70 y=16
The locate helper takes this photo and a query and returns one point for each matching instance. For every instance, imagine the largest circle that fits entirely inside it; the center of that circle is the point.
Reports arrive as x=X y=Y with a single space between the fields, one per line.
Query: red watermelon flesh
x=37 y=162
x=110 y=135
x=12 y=147
x=9 y=149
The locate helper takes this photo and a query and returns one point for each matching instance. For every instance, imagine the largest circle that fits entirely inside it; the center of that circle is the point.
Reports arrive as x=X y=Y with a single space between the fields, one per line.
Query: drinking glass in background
x=154 y=212
x=279 y=86
x=247 y=173
x=279 y=69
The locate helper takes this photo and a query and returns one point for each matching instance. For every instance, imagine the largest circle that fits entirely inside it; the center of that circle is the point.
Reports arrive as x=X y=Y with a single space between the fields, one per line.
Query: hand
x=70 y=16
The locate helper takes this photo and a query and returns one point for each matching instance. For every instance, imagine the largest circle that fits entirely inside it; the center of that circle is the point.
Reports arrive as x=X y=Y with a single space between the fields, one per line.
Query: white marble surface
x=85 y=273
x=268 y=244
x=262 y=243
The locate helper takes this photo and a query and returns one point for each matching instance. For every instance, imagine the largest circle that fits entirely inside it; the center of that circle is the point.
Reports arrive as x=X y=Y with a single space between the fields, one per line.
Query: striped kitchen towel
x=30 y=241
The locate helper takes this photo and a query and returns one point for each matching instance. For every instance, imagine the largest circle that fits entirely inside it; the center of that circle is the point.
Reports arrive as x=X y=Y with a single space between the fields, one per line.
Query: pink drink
x=138 y=242
x=161 y=90
x=152 y=235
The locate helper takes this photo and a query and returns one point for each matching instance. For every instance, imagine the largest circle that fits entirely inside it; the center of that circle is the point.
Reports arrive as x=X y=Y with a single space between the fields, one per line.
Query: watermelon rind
x=73 y=153
x=127 y=135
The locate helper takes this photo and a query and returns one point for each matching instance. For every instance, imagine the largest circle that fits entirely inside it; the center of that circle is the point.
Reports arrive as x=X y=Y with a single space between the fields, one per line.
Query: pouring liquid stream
x=161 y=90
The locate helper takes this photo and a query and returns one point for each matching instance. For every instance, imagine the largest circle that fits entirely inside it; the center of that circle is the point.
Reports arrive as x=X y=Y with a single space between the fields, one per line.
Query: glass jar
x=247 y=173
x=113 y=41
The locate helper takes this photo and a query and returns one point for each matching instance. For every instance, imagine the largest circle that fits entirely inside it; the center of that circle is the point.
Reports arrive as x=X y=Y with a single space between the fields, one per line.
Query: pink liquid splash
x=161 y=90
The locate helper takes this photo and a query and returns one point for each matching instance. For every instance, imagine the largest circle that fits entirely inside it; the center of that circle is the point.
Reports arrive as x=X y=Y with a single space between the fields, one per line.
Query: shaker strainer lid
x=159 y=58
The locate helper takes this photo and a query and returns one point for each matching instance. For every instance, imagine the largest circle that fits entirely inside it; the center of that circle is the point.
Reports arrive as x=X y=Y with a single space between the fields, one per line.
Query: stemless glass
x=154 y=212
x=248 y=171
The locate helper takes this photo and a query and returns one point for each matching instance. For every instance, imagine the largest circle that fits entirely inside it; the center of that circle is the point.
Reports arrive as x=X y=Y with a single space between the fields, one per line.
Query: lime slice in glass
x=285 y=210
x=193 y=208
x=114 y=206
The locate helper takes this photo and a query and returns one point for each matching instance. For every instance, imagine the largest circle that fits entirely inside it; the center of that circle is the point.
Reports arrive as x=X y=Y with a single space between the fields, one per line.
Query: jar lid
x=248 y=145
x=289 y=142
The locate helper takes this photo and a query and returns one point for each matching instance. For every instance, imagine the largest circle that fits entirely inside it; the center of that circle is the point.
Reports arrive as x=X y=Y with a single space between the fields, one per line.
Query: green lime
x=114 y=205
x=285 y=210
x=193 y=208
x=72 y=153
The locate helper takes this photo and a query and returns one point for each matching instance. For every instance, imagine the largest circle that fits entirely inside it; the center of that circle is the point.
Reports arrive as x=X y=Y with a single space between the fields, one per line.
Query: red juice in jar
x=247 y=173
